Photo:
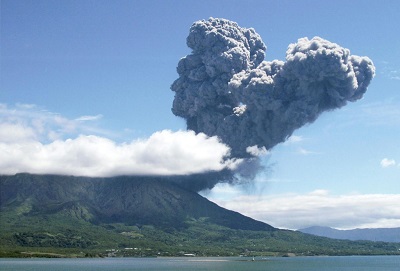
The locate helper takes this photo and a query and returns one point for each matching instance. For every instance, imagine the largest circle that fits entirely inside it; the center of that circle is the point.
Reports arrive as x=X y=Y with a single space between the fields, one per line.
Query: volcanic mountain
x=50 y=215
x=131 y=200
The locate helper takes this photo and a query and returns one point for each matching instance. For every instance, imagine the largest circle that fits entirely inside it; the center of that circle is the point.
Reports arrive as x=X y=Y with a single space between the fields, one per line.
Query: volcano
x=126 y=199
x=67 y=216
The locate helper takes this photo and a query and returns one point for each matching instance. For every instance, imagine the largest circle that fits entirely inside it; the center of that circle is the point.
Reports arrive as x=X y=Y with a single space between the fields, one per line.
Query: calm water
x=364 y=263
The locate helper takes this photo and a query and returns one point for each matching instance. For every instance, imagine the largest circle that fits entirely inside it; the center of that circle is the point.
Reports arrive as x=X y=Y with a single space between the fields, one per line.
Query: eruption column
x=225 y=87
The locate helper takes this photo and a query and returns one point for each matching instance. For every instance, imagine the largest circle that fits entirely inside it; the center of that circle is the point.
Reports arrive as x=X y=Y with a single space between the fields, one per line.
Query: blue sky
x=102 y=68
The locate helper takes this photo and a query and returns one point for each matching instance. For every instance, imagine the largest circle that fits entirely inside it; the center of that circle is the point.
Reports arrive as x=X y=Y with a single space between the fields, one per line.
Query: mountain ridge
x=369 y=234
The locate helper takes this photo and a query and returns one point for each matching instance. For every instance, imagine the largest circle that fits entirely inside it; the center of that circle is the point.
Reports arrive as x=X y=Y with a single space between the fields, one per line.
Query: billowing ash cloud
x=225 y=87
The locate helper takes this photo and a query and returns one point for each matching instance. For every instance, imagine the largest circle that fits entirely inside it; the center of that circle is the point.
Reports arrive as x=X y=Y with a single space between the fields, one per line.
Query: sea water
x=353 y=263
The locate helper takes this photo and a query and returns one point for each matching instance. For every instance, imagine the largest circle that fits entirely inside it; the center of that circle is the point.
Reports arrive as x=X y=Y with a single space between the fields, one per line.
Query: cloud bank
x=163 y=153
x=295 y=211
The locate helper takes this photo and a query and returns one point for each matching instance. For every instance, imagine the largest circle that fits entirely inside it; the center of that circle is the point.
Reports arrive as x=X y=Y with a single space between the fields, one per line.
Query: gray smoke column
x=225 y=87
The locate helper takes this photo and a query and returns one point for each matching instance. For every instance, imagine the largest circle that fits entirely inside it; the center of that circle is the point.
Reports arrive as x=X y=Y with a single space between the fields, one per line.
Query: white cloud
x=163 y=153
x=303 y=151
x=256 y=151
x=40 y=124
x=294 y=142
x=41 y=143
x=387 y=162
x=295 y=139
x=390 y=71
x=224 y=191
x=10 y=132
x=89 y=118
x=294 y=211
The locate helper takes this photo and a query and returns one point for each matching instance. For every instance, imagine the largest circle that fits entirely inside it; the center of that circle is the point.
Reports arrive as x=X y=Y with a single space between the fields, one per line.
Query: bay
x=342 y=263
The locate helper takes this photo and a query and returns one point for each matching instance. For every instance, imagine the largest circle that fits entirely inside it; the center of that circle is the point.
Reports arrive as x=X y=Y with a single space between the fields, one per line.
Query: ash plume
x=225 y=88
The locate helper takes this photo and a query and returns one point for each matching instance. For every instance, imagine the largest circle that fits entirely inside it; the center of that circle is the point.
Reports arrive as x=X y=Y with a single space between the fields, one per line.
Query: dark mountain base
x=57 y=216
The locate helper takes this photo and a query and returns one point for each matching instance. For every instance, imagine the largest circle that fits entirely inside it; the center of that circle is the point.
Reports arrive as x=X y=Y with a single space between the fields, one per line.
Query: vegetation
x=60 y=236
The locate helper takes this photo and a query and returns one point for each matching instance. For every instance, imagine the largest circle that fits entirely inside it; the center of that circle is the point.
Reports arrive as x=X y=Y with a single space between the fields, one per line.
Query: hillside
x=131 y=200
x=140 y=216
x=384 y=235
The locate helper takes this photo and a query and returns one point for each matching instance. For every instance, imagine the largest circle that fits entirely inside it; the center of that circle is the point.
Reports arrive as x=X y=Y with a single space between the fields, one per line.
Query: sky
x=85 y=90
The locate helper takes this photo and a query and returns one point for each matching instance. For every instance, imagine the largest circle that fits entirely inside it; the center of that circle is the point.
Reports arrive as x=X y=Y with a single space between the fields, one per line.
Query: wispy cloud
x=382 y=113
x=390 y=71
x=89 y=118
x=386 y=162
x=43 y=125
x=293 y=139
x=319 y=207
x=304 y=151
x=37 y=141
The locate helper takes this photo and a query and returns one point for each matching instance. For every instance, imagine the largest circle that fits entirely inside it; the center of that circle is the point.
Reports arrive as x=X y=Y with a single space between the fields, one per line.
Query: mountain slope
x=131 y=200
x=384 y=235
